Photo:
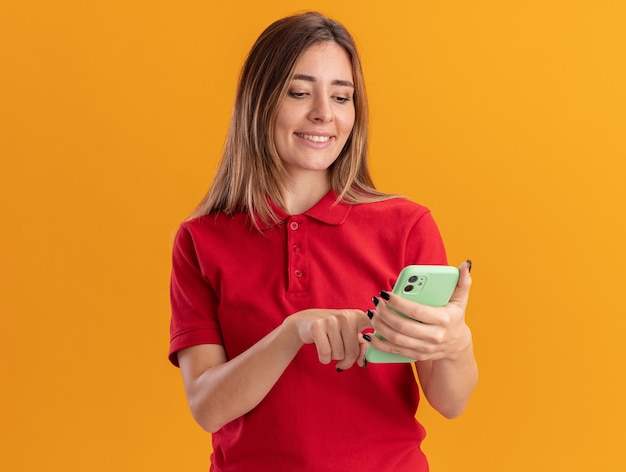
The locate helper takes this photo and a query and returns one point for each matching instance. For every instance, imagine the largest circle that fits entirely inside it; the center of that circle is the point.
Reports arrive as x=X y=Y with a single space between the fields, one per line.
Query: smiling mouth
x=313 y=138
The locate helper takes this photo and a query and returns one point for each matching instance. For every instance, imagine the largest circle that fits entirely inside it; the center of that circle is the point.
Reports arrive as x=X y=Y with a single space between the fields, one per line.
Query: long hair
x=251 y=171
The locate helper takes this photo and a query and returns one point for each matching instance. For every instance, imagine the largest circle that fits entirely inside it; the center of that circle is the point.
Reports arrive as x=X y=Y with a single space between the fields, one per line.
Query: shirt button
x=293 y=225
x=298 y=273
x=296 y=248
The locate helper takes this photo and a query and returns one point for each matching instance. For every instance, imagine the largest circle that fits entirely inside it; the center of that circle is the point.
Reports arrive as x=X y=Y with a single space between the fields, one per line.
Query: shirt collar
x=328 y=210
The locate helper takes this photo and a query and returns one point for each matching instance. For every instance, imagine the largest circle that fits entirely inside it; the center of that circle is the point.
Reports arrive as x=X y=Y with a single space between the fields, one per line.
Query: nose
x=321 y=110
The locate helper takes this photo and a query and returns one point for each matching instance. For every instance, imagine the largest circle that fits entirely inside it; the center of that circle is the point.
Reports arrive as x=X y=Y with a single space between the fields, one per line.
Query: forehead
x=325 y=59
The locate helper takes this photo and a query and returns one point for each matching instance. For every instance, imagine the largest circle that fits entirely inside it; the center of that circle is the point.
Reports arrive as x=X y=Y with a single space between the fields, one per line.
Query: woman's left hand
x=440 y=333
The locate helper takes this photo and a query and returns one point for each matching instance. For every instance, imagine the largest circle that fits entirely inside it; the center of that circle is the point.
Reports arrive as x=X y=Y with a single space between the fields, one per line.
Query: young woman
x=274 y=275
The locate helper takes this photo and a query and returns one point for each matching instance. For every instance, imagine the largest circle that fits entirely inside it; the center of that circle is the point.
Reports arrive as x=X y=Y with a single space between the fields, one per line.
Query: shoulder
x=213 y=230
x=401 y=223
x=214 y=223
x=392 y=208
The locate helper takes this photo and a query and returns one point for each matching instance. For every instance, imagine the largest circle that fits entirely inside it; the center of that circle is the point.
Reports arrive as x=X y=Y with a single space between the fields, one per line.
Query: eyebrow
x=310 y=78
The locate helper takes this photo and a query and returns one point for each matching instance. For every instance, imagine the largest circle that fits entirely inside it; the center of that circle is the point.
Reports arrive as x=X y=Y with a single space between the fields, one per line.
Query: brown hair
x=251 y=170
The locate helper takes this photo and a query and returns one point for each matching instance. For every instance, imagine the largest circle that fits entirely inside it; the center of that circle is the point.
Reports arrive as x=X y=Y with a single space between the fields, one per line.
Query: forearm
x=448 y=383
x=228 y=390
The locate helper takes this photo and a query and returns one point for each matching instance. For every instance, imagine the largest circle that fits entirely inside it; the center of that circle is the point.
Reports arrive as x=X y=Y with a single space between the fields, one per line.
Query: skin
x=314 y=122
x=441 y=344
x=218 y=390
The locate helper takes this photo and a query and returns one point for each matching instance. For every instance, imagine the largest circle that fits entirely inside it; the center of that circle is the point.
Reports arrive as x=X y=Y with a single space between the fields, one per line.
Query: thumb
x=363 y=345
x=461 y=292
x=364 y=321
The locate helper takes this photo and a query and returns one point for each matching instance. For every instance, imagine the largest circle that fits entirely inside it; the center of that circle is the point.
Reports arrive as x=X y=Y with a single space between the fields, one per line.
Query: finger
x=363 y=345
x=402 y=331
x=461 y=292
x=353 y=322
x=363 y=321
x=350 y=335
x=350 y=348
x=322 y=344
x=335 y=339
x=403 y=313
x=414 y=349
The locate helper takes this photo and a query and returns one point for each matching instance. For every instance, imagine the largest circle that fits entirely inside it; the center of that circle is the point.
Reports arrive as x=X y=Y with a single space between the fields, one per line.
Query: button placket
x=298 y=280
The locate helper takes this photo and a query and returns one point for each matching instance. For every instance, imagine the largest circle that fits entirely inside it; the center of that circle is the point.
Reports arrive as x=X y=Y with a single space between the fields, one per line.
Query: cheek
x=286 y=117
x=347 y=123
x=281 y=128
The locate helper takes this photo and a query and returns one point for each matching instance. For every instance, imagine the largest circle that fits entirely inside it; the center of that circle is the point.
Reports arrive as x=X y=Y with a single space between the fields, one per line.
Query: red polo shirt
x=232 y=285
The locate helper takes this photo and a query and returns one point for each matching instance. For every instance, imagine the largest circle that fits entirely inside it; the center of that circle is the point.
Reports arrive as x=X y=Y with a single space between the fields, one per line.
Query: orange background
x=507 y=118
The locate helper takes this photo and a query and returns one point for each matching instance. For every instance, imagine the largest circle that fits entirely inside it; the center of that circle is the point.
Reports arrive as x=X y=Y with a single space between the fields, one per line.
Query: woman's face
x=316 y=117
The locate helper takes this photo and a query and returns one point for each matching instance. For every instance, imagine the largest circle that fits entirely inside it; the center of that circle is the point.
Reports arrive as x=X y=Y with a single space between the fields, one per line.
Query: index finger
x=352 y=326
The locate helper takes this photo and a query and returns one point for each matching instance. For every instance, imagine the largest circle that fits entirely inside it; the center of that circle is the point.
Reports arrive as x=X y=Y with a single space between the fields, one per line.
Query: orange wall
x=507 y=118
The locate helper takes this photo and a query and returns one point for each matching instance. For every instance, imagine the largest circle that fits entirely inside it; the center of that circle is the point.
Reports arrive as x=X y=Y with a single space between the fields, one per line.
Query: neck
x=299 y=197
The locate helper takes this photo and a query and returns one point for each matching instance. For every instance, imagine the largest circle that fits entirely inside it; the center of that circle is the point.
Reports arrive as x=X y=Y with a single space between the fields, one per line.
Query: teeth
x=315 y=139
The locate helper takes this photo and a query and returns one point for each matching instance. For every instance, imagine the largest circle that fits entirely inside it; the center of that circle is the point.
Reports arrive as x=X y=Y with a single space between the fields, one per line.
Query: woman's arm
x=441 y=343
x=449 y=383
x=219 y=391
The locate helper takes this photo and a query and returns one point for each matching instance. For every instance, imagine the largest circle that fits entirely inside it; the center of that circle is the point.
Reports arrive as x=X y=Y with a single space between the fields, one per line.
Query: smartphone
x=426 y=284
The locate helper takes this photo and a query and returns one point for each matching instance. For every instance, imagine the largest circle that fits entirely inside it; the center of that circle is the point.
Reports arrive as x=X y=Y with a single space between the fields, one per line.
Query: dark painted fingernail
x=370 y=314
x=375 y=301
x=367 y=337
x=469 y=265
x=339 y=369
x=385 y=295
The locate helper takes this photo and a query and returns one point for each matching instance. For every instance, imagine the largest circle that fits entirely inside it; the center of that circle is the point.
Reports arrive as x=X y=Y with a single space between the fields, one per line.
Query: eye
x=296 y=94
x=340 y=99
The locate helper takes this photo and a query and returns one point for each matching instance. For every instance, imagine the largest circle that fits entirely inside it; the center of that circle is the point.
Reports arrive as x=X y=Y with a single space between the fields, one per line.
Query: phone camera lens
x=408 y=288
x=412 y=279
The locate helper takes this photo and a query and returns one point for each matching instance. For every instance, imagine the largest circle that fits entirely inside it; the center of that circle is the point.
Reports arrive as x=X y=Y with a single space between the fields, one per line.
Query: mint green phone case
x=426 y=284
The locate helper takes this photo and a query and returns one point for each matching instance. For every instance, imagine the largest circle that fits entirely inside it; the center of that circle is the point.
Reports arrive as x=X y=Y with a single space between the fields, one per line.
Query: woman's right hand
x=335 y=333
x=213 y=383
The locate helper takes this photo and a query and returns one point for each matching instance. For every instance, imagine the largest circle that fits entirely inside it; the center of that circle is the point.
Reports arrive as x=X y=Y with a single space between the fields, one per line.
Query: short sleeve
x=193 y=299
x=424 y=243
